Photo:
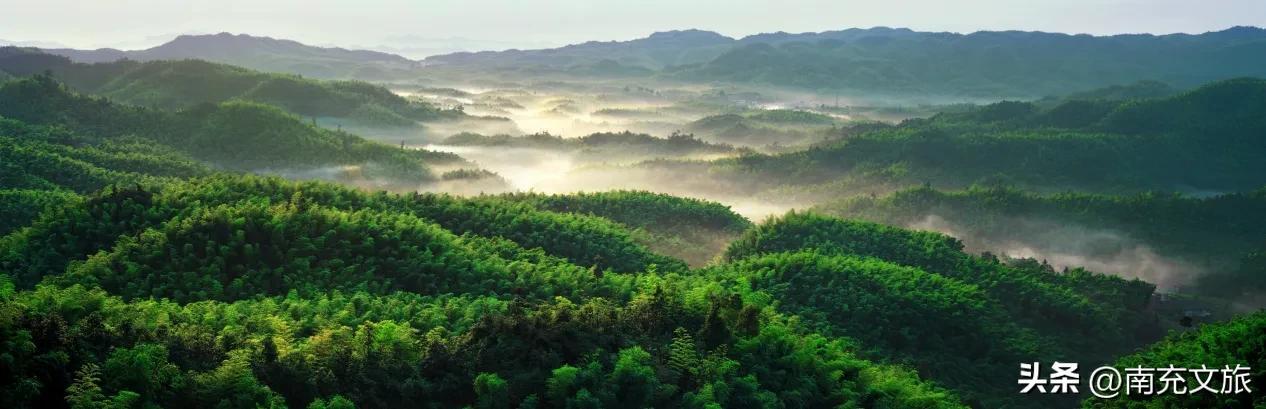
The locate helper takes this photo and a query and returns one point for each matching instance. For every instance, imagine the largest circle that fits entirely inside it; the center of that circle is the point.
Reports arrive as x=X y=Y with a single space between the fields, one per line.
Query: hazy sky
x=464 y=24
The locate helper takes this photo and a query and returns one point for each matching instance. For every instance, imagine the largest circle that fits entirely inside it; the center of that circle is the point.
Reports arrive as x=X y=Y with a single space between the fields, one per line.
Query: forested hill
x=659 y=50
x=1205 y=140
x=192 y=238
x=184 y=83
x=261 y=53
x=1205 y=245
x=918 y=298
x=230 y=135
x=177 y=288
x=694 y=230
x=382 y=299
x=399 y=300
x=1230 y=344
x=986 y=64
x=891 y=61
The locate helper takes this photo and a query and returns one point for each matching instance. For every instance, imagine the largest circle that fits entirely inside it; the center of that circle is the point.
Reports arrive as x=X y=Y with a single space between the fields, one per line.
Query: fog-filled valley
x=856 y=218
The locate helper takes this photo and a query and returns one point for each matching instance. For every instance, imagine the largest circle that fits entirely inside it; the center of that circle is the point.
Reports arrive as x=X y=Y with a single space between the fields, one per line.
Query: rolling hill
x=234 y=135
x=898 y=61
x=1204 y=140
x=180 y=84
x=176 y=232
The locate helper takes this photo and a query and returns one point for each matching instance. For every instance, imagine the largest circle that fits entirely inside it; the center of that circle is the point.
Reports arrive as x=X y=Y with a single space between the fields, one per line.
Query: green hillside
x=765 y=127
x=1239 y=342
x=1207 y=140
x=231 y=135
x=981 y=64
x=22 y=206
x=179 y=84
x=181 y=233
x=465 y=275
x=916 y=297
x=260 y=53
x=1214 y=233
x=268 y=246
x=694 y=230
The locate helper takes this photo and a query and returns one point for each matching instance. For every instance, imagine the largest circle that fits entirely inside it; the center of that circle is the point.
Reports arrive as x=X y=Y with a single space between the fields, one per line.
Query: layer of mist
x=1064 y=245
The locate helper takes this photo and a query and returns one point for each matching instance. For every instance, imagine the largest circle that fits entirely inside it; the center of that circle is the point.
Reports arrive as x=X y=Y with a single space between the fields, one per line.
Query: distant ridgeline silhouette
x=260 y=53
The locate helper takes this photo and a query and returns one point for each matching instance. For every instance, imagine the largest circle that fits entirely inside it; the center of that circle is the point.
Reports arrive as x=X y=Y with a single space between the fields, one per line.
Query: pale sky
x=417 y=26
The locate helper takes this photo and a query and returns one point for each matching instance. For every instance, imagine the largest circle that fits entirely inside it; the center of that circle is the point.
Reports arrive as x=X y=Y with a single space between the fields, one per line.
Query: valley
x=878 y=217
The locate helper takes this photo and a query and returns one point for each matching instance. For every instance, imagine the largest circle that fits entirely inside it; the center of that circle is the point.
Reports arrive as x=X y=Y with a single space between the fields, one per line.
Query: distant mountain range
x=260 y=53
x=659 y=50
x=986 y=64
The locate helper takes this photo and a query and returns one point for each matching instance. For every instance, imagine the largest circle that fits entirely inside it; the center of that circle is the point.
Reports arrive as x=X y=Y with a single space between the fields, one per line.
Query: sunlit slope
x=337 y=294
x=75 y=232
x=691 y=229
x=849 y=298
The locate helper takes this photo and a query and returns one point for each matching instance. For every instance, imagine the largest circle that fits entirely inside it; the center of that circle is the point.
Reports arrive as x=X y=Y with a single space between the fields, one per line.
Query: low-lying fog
x=573 y=111
x=1066 y=245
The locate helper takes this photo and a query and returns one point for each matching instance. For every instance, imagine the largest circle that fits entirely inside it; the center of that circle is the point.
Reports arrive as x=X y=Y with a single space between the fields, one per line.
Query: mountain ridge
x=892 y=61
x=257 y=52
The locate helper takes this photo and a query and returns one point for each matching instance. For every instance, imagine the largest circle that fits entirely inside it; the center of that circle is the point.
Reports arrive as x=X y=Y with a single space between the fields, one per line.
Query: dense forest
x=1202 y=140
x=1237 y=342
x=983 y=64
x=233 y=135
x=894 y=61
x=182 y=233
x=244 y=237
x=1218 y=233
x=234 y=239
x=694 y=230
x=179 y=84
